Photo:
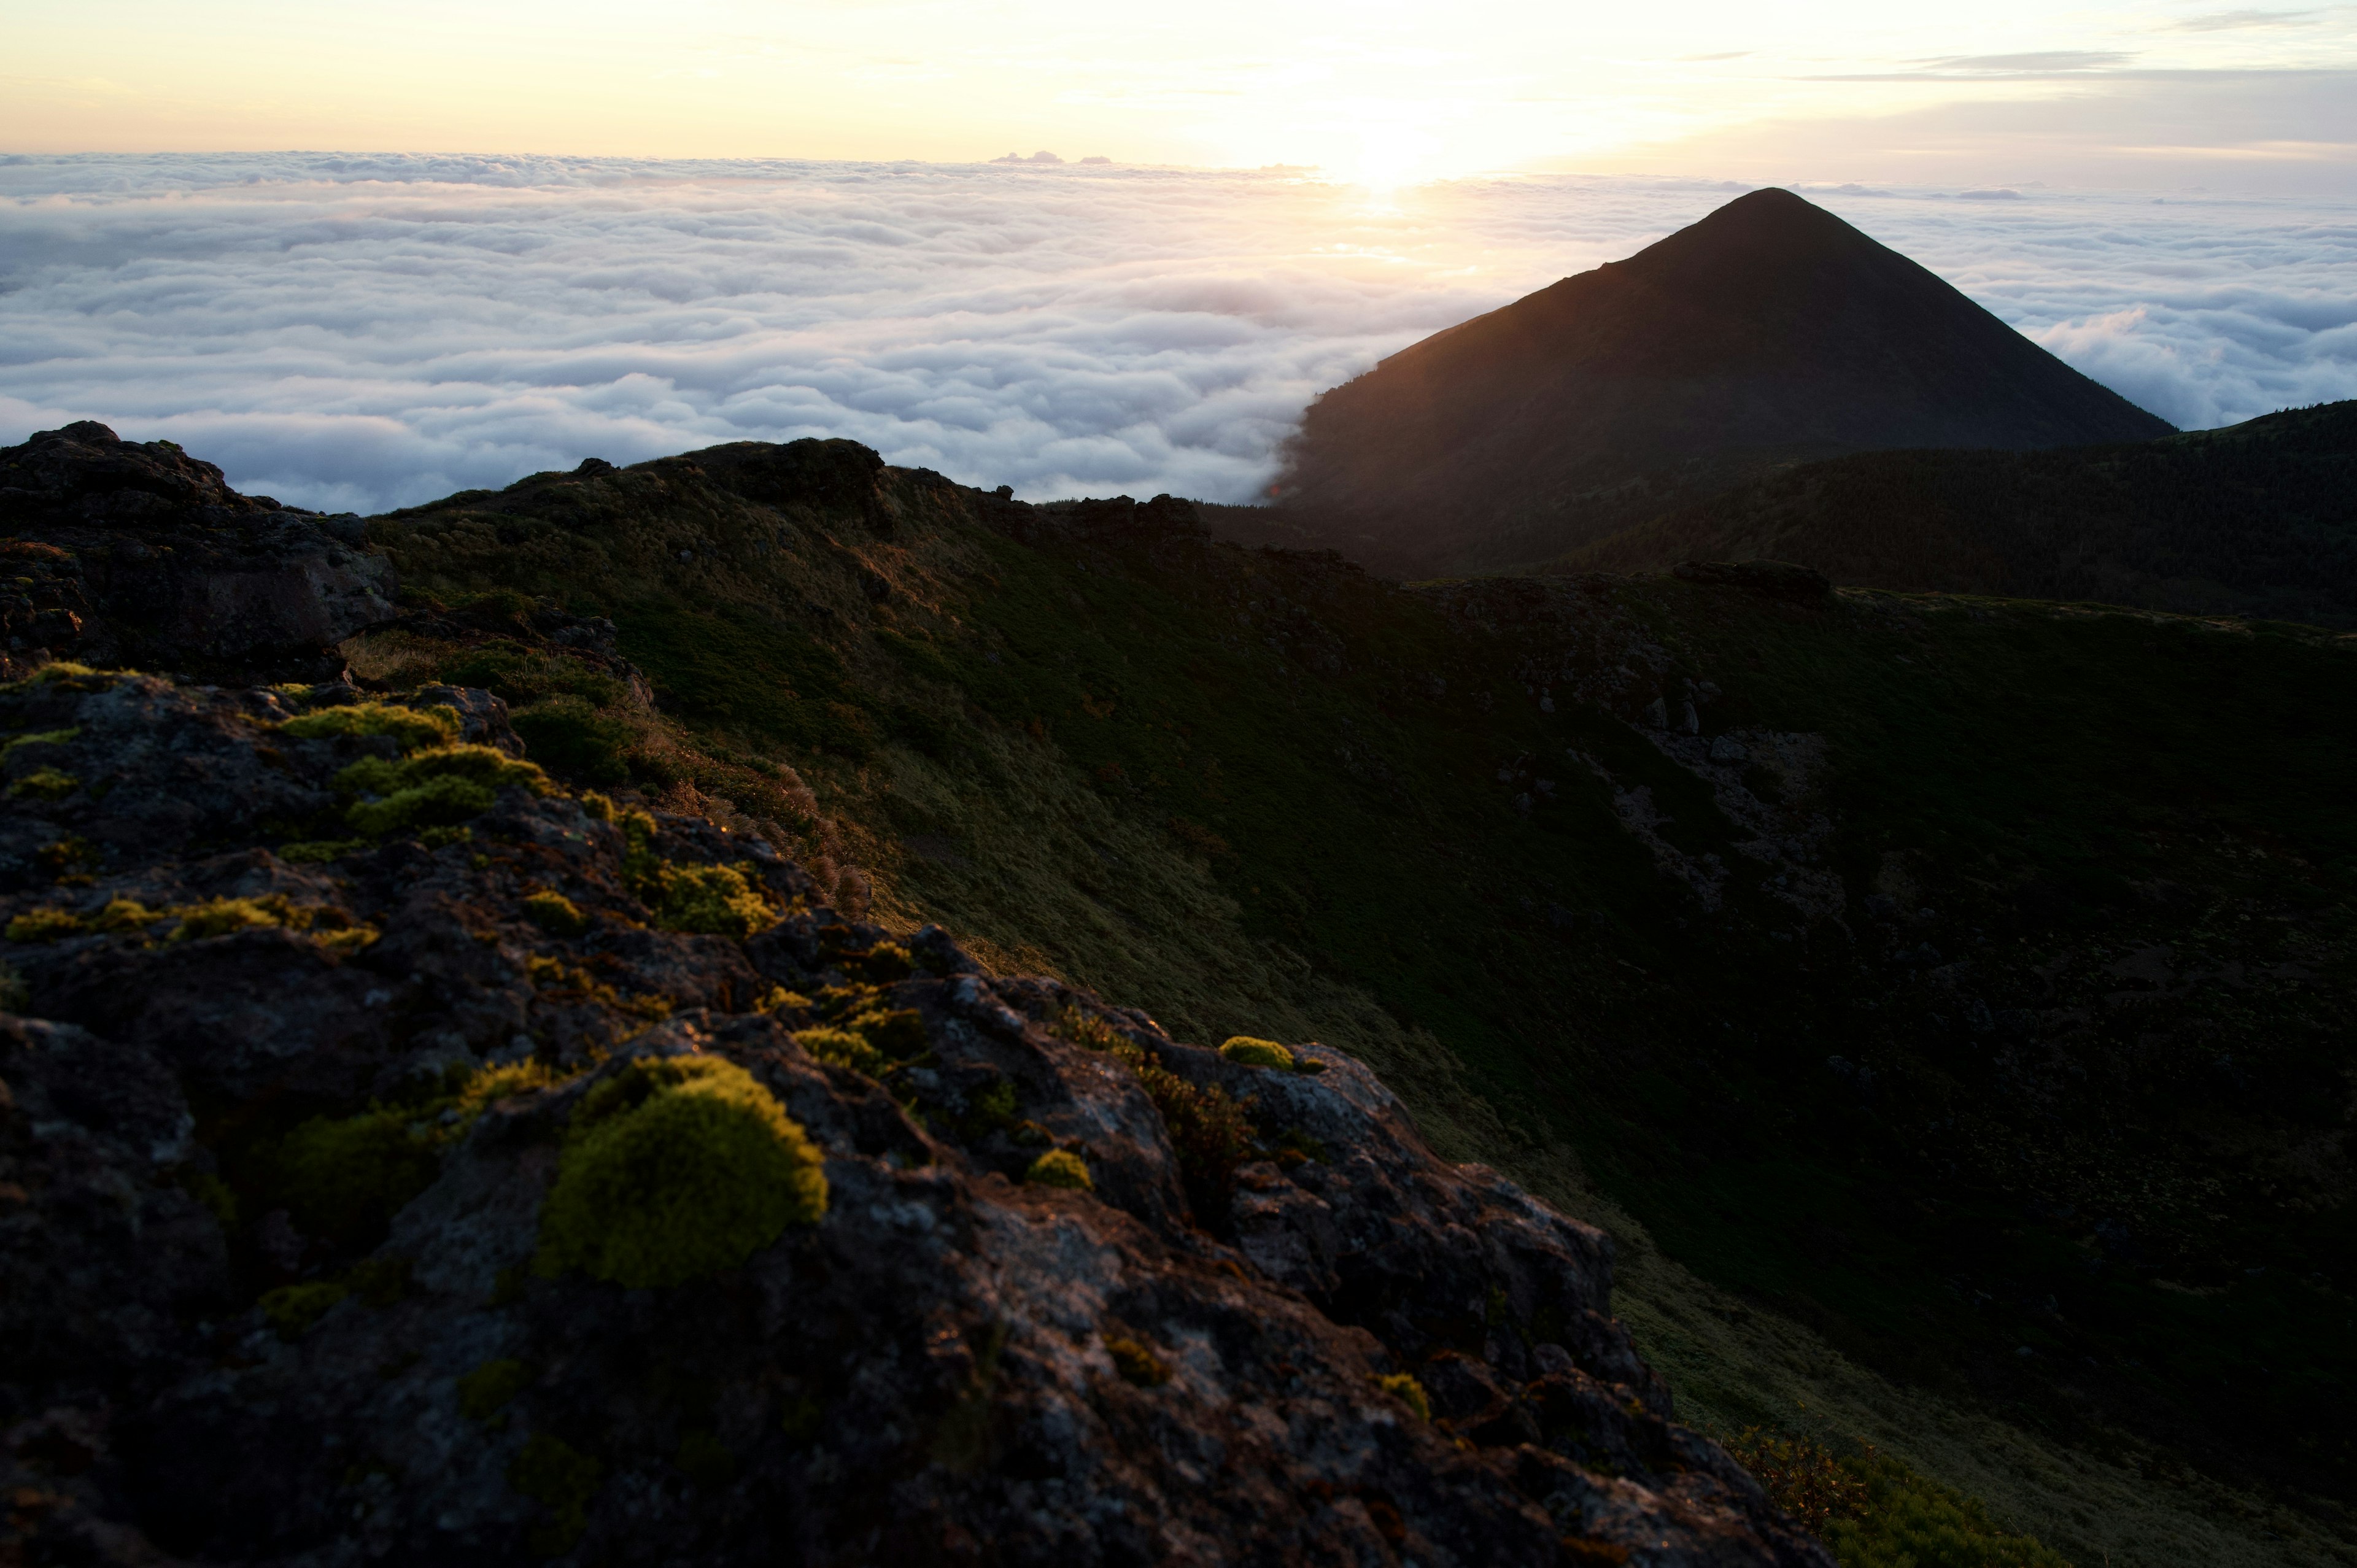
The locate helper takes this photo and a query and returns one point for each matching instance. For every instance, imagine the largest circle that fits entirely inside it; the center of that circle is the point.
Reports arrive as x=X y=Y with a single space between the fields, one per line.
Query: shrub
x=293 y=1309
x=1208 y=1132
x=408 y=727
x=882 y=964
x=46 y=784
x=345 y=1178
x=562 y=1479
x=1409 y=1392
x=898 y=1032
x=1250 y=1052
x=490 y=1388
x=841 y=1048
x=16 y=996
x=676 y=1168
x=1060 y=1167
x=567 y=734
x=556 y=914
x=1136 y=1364
x=1804 y=1480
x=716 y=900
x=1910 y=1521
x=704 y=1459
x=47 y=925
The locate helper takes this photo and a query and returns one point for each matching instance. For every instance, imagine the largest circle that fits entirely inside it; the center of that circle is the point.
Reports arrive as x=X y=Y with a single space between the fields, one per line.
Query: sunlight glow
x=1381 y=92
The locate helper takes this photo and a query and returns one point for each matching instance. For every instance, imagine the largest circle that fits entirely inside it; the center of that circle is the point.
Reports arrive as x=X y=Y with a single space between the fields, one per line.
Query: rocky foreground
x=405 y=1158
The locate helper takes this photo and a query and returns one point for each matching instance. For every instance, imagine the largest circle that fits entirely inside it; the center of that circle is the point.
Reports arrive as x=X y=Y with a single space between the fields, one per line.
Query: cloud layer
x=369 y=332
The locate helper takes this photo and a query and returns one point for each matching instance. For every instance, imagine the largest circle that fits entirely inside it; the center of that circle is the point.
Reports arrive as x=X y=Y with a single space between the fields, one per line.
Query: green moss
x=556 y=914
x=492 y=1388
x=676 y=1168
x=345 y=1177
x=715 y=900
x=46 y=784
x=1060 y=1167
x=44 y=737
x=16 y=996
x=1136 y=1364
x=293 y=1309
x=220 y=916
x=1408 y=1392
x=562 y=1479
x=409 y=728
x=46 y=925
x=841 y=1048
x=1250 y=1052
x=440 y=787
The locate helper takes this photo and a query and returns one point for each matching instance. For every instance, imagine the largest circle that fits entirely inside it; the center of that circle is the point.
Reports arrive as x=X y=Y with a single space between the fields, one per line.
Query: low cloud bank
x=367 y=332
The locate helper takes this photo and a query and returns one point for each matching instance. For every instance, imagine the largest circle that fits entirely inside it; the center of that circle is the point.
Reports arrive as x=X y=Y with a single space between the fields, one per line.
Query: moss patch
x=675 y=1169
x=1060 y=1167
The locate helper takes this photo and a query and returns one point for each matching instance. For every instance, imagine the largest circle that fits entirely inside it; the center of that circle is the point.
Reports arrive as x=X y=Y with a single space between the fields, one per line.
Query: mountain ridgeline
x=2258 y=518
x=1943 y=1002
x=1766 y=333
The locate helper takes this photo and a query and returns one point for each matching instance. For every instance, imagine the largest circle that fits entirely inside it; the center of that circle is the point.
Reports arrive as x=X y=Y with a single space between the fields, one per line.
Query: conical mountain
x=1768 y=332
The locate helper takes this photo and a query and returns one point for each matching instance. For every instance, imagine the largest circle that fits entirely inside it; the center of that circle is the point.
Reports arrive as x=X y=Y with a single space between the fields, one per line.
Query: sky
x=1384 y=93
x=366 y=254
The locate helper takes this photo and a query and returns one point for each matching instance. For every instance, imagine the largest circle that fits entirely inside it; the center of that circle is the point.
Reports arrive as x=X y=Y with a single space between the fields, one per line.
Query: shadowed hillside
x=1910 y=980
x=1769 y=331
x=2258 y=518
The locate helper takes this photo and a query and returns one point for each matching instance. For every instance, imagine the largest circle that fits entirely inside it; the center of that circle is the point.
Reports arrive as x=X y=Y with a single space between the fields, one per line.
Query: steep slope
x=2259 y=518
x=1768 y=331
x=1879 y=954
x=607 y=1198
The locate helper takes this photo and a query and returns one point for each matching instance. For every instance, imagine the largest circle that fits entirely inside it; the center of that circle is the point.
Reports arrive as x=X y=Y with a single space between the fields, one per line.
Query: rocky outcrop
x=305 y=1042
x=131 y=552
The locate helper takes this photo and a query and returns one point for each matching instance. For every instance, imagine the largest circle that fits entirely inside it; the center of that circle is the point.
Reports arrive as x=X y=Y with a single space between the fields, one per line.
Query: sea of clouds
x=360 y=333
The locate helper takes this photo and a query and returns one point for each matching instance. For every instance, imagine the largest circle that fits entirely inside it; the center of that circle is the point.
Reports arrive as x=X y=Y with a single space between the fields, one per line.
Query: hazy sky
x=2134 y=95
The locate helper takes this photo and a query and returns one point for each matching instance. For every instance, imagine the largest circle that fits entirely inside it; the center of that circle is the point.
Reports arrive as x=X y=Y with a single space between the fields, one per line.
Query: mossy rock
x=1249 y=1052
x=408 y=728
x=1139 y=1366
x=1060 y=1167
x=556 y=914
x=1408 y=1392
x=675 y=1169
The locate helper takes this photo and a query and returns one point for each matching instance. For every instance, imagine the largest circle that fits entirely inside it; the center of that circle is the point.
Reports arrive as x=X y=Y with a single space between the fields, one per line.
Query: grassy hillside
x=2258 y=518
x=1941 y=998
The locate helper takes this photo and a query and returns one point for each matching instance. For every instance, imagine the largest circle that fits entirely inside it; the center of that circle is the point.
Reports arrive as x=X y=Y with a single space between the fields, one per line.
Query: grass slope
x=2027 y=1037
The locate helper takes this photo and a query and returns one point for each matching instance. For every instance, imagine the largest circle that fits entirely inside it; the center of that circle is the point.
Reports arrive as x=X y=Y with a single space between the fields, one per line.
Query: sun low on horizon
x=1384 y=95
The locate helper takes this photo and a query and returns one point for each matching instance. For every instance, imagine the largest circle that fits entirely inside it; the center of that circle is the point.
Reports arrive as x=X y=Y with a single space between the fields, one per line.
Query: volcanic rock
x=134 y=552
x=284 y=1113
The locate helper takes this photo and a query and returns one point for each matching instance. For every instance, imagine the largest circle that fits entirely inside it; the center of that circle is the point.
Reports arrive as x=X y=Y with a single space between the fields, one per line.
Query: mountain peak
x=1767 y=332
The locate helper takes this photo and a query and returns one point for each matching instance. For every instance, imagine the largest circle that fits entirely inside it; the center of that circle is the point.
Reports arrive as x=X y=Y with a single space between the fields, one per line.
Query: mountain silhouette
x=1768 y=332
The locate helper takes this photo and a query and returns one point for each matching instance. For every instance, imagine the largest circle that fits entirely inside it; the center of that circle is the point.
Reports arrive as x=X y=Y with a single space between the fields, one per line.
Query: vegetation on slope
x=2258 y=518
x=2082 y=861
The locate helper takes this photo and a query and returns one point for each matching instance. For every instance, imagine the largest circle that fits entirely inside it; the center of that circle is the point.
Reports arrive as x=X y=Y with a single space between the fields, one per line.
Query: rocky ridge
x=318 y=1001
x=134 y=552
